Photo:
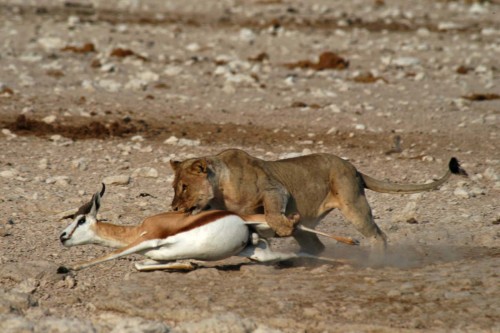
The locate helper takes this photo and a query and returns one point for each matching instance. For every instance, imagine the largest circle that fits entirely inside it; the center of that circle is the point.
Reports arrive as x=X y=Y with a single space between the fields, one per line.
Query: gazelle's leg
x=137 y=246
x=152 y=265
x=260 y=251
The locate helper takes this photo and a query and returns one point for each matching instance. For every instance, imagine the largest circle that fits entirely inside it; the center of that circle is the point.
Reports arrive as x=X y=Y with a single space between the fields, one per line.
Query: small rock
x=8 y=134
x=58 y=180
x=107 y=68
x=49 y=119
x=490 y=174
x=310 y=312
x=173 y=70
x=449 y=26
x=110 y=85
x=27 y=286
x=56 y=137
x=43 y=164
x=51 y=43
x=11 y=173
x=80 y=164
x=360 y=127
x=193 y=47
x=247 y=35
x=462 y=193
x=137 y=138
x=146 y=172
x=188 y=142
x=172 y=140
x=405 y=61
x=393 y=293
x=116 y=180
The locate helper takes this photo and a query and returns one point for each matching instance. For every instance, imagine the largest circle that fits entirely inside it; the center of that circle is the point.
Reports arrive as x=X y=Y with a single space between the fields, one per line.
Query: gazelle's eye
x=81 y=220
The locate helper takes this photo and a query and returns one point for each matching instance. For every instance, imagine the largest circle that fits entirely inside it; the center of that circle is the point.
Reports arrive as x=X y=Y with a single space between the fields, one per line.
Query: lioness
x=311 y=186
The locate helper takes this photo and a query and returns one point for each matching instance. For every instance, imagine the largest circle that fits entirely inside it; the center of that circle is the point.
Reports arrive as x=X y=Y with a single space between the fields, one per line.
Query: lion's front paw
x=282 y=226
x=294 y=218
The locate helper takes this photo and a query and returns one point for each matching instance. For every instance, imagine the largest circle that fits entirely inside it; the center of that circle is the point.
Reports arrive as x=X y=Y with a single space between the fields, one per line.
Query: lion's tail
x=388 y=187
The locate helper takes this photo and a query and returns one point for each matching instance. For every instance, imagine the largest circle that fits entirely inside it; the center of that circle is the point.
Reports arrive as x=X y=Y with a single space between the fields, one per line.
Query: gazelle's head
x=82 y=229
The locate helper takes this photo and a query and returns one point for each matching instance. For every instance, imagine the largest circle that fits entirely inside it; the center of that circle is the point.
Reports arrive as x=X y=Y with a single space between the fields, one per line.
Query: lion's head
x=192 y=187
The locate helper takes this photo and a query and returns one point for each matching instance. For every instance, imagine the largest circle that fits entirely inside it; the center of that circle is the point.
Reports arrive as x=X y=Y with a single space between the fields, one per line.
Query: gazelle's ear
x=174 y=164
x=96 y=204
x=199 y=166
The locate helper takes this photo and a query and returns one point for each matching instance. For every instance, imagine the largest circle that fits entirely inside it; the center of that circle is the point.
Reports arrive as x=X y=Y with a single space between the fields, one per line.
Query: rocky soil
x=96 y=89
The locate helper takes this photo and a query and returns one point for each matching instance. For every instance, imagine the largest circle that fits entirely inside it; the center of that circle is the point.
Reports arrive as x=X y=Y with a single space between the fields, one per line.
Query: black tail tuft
x=455 y=167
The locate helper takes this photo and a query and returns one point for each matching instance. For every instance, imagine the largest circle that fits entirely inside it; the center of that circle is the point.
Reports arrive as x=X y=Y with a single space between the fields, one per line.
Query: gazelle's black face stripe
x=81 y=221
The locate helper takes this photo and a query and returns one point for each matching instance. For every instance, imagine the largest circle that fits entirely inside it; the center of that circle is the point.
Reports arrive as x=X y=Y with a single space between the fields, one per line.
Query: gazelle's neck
x=113 y=235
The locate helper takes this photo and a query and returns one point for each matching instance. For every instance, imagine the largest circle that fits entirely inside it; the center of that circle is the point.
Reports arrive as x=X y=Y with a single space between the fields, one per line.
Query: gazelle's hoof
x=63 y=270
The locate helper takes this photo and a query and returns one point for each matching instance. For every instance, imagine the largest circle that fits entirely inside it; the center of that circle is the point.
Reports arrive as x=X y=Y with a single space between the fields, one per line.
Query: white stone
x=360 y=127
x=108 y=68
x=43 y=164
x=51 y=43
x=137 y=138
x=491 y=174
x=148 y=76
x=172 y=140
x=188 y=142
x=449 y=26
x=462 y=193
x=116 y=180
x=146 y=172
x=247 y=35
x=193 y=47
x=173 y=70
x=405 y=61
x=11 y=173
x=49 y=119
x=56 y=137
x=58 y=180
x=477 y=9
x=110 y=85
x=80 y=164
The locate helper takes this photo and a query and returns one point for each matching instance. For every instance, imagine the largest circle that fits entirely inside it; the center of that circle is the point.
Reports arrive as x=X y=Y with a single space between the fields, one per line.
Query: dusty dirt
x=96 y=89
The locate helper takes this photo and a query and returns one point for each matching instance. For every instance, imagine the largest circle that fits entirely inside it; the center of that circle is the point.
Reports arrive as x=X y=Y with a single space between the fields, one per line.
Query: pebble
x=146 y=172
x=11 y=173
x=173 y=70
x=461 y=193
x=188 y=142
x=51 y=43
x=116 y=180
x=49 y=119
x=8 y=134
x=171 y=140
x=43 y=164
x=490 y=174
x=193 y=47
x=110 y=85
x=405 y=61
x=58 y=180
x=80 y=164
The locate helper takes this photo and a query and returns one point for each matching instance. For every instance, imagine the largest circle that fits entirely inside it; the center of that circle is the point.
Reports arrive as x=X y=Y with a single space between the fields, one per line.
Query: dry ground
x=90 y=89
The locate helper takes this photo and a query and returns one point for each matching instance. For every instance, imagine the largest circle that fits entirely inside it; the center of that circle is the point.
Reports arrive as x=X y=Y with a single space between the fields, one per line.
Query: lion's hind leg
x=357 y=210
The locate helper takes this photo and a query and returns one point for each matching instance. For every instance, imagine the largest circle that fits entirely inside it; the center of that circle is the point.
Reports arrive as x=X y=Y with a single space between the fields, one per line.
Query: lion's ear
x=199 y=166
x=174 y=164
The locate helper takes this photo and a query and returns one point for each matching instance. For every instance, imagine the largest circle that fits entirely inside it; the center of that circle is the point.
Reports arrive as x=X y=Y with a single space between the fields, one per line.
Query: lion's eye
x=184 y=187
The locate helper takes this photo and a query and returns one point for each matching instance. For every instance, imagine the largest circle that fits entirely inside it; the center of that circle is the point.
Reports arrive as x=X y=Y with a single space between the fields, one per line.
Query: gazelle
x=170 y=236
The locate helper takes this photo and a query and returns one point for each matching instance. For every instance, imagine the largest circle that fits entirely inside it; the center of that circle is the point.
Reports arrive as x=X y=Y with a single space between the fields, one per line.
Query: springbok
x=169 y=236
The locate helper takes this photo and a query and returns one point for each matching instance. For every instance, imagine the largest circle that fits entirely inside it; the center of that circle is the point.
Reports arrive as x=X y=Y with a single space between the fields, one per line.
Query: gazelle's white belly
x=216 y=240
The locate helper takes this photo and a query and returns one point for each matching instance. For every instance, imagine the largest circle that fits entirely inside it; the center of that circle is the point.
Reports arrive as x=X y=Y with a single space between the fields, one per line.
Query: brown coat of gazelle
x=170 y=236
